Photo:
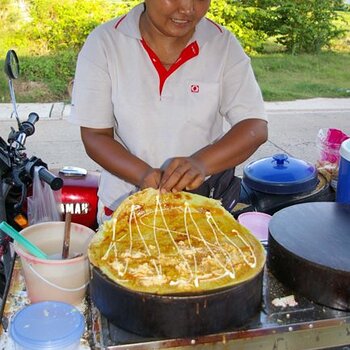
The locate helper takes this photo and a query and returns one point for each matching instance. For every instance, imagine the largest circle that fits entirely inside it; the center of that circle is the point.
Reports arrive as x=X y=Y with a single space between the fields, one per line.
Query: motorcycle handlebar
x=28 y=126
x=36 y=164
x=54 y=182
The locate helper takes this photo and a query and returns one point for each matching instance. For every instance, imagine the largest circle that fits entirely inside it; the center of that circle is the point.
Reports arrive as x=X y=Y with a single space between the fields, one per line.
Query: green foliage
x=240 y=21
x=46 y=26
x=342 y=44
x=61 y=24
x=42 y=78
x=8 y=12
x=55 y=70
x=11 y=20
x=4 y=95
x=47 y=35
x=301 y=26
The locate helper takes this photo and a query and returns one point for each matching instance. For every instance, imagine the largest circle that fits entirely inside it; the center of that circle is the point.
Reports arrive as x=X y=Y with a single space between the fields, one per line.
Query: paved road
x=293 y=127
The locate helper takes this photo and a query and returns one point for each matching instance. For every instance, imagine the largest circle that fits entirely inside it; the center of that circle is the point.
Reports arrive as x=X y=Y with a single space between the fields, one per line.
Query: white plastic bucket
x=56 y=280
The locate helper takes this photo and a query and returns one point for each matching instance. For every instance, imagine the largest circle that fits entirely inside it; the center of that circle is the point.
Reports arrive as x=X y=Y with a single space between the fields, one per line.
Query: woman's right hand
x=151 y=178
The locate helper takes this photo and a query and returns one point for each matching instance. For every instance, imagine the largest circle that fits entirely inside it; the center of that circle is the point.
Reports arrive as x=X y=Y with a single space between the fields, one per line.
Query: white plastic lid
x=47 y=325
x=345 y=149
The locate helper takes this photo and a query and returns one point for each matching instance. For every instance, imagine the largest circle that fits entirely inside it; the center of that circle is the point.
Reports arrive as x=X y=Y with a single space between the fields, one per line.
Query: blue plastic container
x=48 y=325
x=280 y=174
x=343 y=186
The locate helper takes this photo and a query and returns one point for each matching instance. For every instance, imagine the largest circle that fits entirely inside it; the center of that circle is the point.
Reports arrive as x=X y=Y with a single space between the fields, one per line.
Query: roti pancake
x=175 y=243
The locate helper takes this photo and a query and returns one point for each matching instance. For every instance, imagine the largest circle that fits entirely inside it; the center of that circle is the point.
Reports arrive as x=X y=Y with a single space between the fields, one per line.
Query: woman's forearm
x=237 y=145
x=112 y=156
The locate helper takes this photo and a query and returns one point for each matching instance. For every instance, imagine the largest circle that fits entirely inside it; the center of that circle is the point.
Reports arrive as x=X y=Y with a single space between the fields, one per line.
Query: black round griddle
x=309 y=251
x=174 y=316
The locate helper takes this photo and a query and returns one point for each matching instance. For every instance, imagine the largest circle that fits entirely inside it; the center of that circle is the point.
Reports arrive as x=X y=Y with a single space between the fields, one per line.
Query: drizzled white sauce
x=152 y=273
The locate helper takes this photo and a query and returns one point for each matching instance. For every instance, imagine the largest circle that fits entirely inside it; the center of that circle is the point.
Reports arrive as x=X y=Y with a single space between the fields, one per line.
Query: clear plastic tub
x=47 y=325
x=328 y=144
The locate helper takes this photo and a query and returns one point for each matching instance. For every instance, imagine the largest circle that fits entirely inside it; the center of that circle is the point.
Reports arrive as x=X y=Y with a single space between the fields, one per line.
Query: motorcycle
x=16 y=177
x=77 y=187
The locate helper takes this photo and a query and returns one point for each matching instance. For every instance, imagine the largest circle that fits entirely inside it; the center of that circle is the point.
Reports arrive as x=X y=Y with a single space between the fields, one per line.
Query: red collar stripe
x=189 y=52
x=215 y=24
x=120 y=20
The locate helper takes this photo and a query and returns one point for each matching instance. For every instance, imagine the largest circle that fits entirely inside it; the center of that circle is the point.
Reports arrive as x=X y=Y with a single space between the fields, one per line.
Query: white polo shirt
x=159 y=114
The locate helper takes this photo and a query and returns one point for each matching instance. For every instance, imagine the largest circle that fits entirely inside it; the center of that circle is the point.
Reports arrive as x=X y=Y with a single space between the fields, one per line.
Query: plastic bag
x=43 y=204
x=328 y=144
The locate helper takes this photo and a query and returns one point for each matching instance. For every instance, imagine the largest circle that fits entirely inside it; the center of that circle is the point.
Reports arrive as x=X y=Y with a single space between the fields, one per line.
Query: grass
x=286 y=77
x=42 y=78
x=281 y=77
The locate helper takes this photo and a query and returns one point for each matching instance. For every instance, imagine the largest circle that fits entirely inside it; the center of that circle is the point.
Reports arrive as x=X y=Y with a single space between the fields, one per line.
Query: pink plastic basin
x=257 y=223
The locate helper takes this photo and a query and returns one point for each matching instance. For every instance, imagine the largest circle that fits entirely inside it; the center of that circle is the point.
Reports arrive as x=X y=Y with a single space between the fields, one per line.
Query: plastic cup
x=257 y=223
x=48 y=325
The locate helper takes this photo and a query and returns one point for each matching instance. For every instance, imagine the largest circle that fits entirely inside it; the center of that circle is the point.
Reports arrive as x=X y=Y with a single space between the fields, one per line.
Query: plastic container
x=56 y=279
x=257 y=223
x=280 y=174
x=328 y=143
x=47 y=325
x=343 y=186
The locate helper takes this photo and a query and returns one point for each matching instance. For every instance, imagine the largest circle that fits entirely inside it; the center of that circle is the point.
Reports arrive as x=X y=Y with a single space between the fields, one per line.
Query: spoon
x=32 y=248
x=66 y=239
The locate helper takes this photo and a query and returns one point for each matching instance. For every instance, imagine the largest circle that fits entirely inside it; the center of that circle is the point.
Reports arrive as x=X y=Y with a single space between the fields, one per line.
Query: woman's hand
x=182 y=173
x=237 y=145
x=151 y=178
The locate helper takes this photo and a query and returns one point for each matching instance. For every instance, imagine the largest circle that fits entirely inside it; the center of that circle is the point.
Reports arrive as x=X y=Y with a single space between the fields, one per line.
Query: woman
x=151 y=92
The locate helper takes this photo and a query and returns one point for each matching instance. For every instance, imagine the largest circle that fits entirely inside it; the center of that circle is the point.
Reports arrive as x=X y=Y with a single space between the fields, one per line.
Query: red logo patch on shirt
x=195 y=88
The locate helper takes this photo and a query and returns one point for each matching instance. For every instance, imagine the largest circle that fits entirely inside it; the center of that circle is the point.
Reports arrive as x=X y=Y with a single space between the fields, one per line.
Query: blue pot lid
x=47 y=325
x=280 y=174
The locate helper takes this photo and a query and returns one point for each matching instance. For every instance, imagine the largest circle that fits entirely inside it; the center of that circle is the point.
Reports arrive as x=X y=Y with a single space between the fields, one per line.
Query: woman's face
x=175 y=18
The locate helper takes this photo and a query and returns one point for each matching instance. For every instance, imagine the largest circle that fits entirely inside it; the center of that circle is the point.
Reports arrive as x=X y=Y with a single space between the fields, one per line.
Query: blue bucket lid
x=280 y=174
x=47 y=325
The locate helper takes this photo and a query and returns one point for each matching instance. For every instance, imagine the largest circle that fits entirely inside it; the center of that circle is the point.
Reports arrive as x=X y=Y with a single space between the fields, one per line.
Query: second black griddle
x=309 y=251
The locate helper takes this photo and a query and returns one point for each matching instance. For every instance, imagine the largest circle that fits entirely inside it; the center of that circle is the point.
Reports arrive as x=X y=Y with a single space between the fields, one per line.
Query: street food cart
x=286 y=320
x=304 y=326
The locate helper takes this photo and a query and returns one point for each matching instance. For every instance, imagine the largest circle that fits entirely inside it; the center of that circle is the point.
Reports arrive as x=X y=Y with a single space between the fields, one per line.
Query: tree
x=239 y=19
x=302 y=26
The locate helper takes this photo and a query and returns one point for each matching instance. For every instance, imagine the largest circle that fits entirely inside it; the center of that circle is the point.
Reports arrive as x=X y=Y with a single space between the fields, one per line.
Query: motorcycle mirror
x=12 y=71
x=11 y=65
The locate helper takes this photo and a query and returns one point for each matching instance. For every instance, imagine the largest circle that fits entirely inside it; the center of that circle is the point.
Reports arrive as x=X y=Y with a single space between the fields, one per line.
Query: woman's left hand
x=236 y=146
x=182 y=173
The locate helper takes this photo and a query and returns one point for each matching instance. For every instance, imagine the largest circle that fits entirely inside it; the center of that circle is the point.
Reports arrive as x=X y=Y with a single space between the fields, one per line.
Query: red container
x=79 y=195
